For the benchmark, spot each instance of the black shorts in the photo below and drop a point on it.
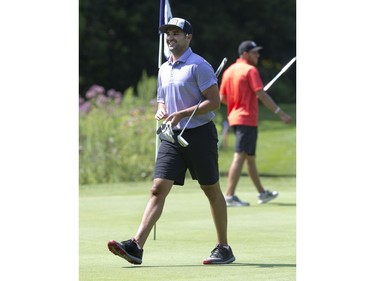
(200, 156)
(246, 139)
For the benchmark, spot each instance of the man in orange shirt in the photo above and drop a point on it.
(240, 89)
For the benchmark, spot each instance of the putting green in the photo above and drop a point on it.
(263, 237)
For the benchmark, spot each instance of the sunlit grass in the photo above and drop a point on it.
(263, 237)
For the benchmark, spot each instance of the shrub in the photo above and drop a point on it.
(117, 134)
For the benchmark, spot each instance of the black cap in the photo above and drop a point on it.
(182, 24)
(248, 46)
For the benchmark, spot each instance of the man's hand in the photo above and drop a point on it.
(174, 118)
(285, 117)
(161, 114)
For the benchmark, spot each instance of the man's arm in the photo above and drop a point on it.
(223, 99)
(210, 103)
(271, 105)
(161, 112)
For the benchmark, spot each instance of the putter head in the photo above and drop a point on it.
(182, 141)
(166, 130)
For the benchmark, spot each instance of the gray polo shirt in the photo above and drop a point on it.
(180, 85)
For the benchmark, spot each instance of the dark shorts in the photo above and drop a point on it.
(200, 156)
(246, 139)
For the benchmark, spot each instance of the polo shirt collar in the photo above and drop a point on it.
(183, 58)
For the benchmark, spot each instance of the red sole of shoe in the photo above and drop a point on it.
(115, 249)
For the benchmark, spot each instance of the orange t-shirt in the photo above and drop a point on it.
(239, 84)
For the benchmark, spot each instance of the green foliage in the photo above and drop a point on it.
(117, 142)
(146, 87)
(119, 39)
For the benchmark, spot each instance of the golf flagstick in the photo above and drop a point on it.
(156, 155)
(285, 68)
(165, 14)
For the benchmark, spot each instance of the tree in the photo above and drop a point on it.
(119, 39)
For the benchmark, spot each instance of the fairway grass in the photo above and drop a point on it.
(263, 237)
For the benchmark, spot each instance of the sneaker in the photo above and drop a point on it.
(220, 255)
(267, 196)
(234, 201)
(127, 250)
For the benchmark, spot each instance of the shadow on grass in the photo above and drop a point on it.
(264, 175)
(267, 265)
(283, 204)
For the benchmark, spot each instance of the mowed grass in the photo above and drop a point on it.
(263, 237)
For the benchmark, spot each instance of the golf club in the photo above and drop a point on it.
(180, 139)
(166, 129)
(279, 74)
(221, 66)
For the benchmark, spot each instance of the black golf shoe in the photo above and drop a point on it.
(127, 250)
(220, 255)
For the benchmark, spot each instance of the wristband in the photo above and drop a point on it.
(277, 110)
